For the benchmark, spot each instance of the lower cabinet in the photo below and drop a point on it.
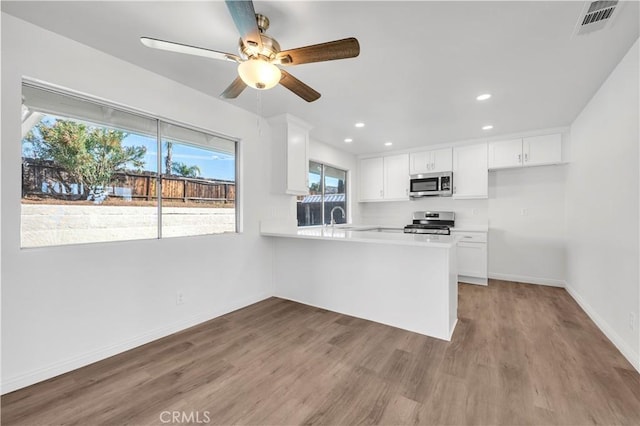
(472, 257)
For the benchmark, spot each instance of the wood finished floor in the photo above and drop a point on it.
(521, 354)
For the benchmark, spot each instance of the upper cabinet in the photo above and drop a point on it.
(470, 172)
(503, 154)
(439, 160)
(540, 150)
(396, 177)
(371, 179)
(529, 151)
(290, 138)
(384, 178)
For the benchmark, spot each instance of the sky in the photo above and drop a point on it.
(212, 164)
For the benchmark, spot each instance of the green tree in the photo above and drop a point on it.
(182, 169)
(89, 154)
(315, 188)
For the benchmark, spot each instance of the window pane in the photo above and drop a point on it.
(327, 189)
(198, 183)
(309, 207)
(335, 195)
(85, 179)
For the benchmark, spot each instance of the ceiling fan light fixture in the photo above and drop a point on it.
(259, 74)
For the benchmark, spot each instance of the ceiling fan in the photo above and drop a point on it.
(259, 54)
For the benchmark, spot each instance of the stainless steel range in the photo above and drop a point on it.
(431, 223)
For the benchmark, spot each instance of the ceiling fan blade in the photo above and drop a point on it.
(298, 87)
(329, 51)
(244, 16)
(234, 89)
(170, 46)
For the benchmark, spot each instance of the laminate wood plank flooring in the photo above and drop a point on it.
(521, 355)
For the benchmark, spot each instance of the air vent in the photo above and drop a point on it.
(596, 16)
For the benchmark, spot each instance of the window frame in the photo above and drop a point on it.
(159, 119)
(347, 204)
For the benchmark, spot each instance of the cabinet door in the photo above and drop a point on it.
(472, 259)
(396, 177)
(540, 150)
(297, 160)
(470, 173)
(503, 154)
(442, 160)
(419, 162)
(371, 179)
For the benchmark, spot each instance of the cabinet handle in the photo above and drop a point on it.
(519, 158)
(526, 157)
(381, 193)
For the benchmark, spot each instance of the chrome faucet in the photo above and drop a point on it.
(333, 222)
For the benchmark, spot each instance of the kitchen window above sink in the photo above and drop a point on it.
(327, 193)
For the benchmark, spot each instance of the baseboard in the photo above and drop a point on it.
(26, 379)
(528, 280)
(627, 351)
(472, 280)
(453, 329)
(366, 318)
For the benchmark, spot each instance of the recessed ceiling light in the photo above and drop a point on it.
(359, 124)
(487, 127)
(388, 143)
(348, 140)
(484, 97)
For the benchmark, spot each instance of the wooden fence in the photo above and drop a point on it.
(43, 178)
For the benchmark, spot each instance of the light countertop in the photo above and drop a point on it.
(364, 234)
(470, 228)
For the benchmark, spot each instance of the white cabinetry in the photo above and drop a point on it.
(439, 160)
(384, 178)
(472, 257)
(470, 172)
(290, 138)
(529, 151)
(539, 150)
(371, 178)
(396, 177)
(503, 154)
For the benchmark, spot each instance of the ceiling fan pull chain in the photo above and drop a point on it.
(259, 111)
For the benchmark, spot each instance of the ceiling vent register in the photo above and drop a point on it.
(596, 16)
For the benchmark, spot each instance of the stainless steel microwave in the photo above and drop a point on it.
(431, 184)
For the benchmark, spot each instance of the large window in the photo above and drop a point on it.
(327, 196)
(93, 173)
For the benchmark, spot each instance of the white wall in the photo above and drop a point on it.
(332, 156)
(602, 189)
(67, 306)
(527, 228)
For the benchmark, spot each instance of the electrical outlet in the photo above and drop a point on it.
(179, 298)
(632, 321)
(524, 212)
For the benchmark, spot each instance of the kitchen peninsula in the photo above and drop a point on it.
(403, 280)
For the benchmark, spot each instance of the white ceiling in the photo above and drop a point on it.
(421, 64)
